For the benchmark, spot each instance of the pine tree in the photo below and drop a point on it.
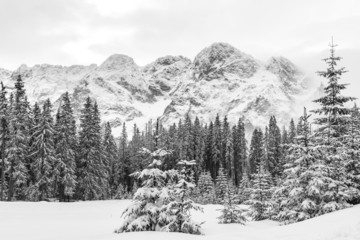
(111, 157)
(18, 144)
(34, 119)
(91, 175)
(301, 194)
(177, 212)
(231, 213)
(256, 153)
(274, 148)
(4, 137)
(244, 189)
(205, 189)
(221, 184)
(44, 155)
(352, 165)
(330, 135)
(208, 155)
(124, 165)
(229, 156)
(145, 211)
(216, 147)
(226, 159)
(66, 143)
(292, 131)
(198, 147)
(260, 203)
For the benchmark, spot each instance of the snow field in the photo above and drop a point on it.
(97, 220)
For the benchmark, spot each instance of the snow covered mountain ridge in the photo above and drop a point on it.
(221, 80)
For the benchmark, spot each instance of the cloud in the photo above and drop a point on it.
(88, 31)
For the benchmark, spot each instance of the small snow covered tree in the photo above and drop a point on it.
(221, 185)
(260, 204)
(244, 188)
(176, 213)
(144, 212)
(231, 213)
(205, 192)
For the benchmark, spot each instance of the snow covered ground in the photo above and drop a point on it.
(97, 220)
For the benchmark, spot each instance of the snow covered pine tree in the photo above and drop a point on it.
(231, 213)
(177, 214)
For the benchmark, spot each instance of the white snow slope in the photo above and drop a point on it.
(97, 220)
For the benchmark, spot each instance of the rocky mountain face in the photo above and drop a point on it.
(221, 80)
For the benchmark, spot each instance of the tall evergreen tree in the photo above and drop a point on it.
(43, 153)
(292, 131)
(330, 136)
(18, 145)
(216, 147)
(4, 137)
(256, 153)
(111, 159)
(66, 143)
(91, 171)
(125, 168)
(274, 148)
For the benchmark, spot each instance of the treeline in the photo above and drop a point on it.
(45, 157)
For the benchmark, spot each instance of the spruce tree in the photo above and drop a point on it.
(125, 167)
(144, 214)
(221, 183)
(216, 147)
(292, 131)
(301, 194)
(256, 153)
(209, 163)
(43, 153)
(352, 164)
(111, 159)
(274, 148)
(231, 213)
(177, 212)
(244, 189)
(330, 134)
(91, 170)
(18, 144)
(205, 189)
(198, 147)
(66, 143)
(260, 203)
(4, 137)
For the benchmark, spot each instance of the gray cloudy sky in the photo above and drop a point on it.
(88, 31)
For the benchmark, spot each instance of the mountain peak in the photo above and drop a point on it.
(282, 67)
(218, 58)
(117, 62)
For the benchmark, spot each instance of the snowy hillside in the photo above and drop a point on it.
(96, 220)
(221, 79)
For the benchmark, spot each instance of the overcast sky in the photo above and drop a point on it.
(88, 31)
